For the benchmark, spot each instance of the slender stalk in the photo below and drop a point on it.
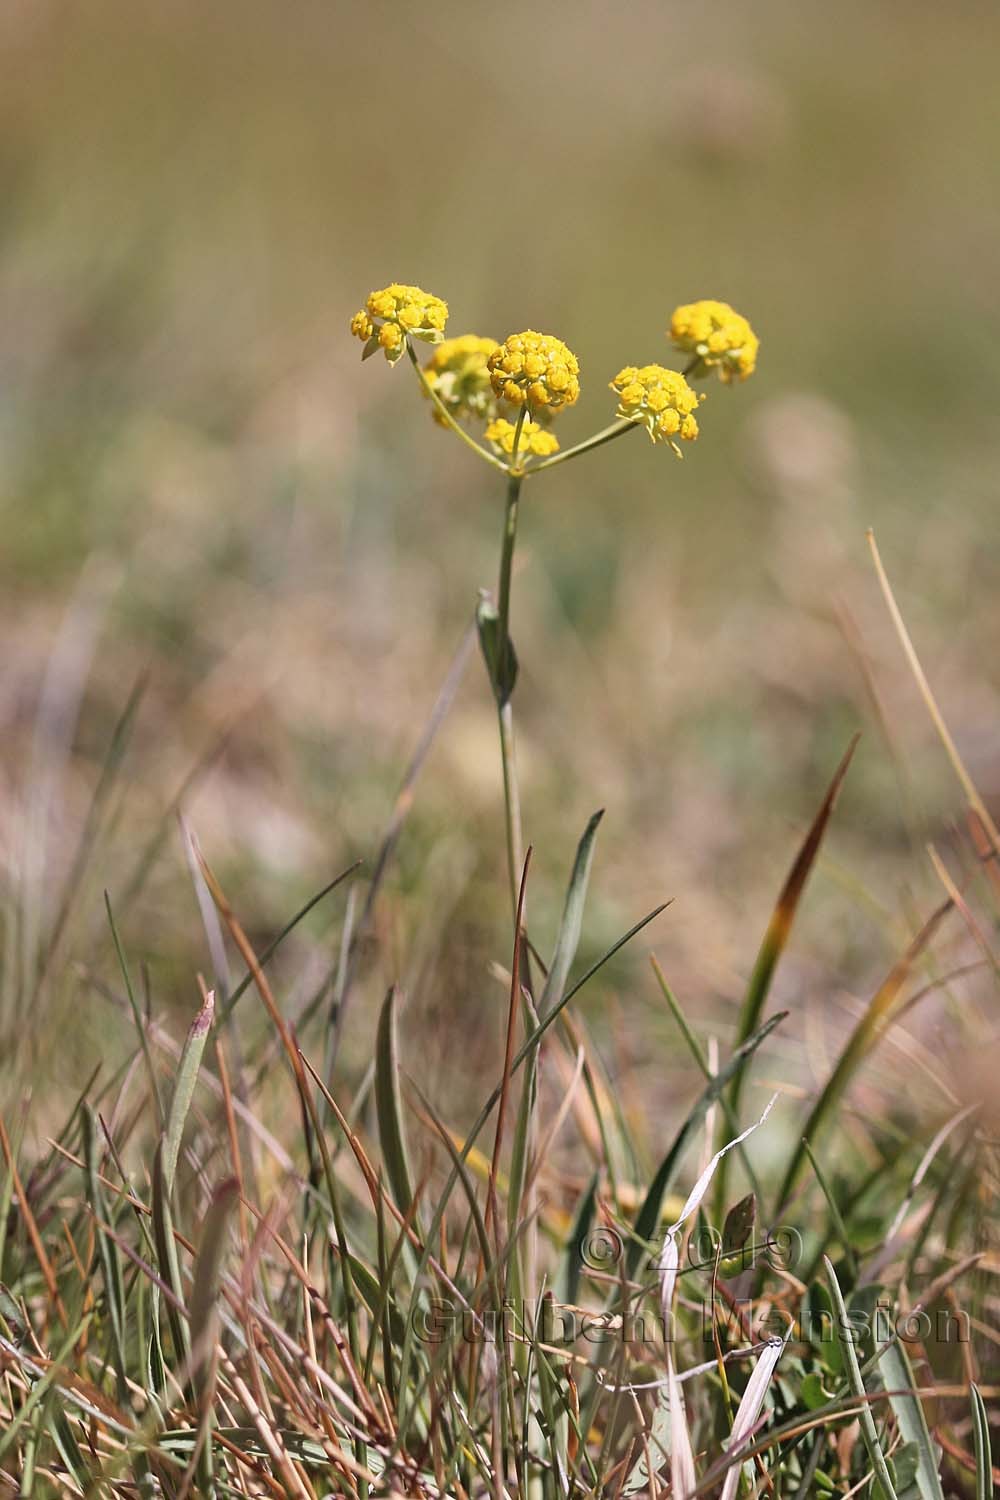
(514, 483)
(505, 714)
(511, 799)
(447, 417)
(606, 435)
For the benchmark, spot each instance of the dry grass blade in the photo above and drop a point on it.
(205, 1322)
(975, 801)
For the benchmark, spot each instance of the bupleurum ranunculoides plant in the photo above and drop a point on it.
(511, 392)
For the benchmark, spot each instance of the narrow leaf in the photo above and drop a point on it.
(853, 1370)
(981, 1438)
(572, 918)
(187, 1075)
(894, 1365)
(388, 1105)
(648, 1217)
(779, 930)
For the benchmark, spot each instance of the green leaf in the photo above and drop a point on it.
(813, 1393)
(568, 1284)
(502, 674)
(894, 1366)
(572, 919)
(388, 1105)
(109, 1257)
(981, 1438)
(853, 1370)
(555, 985)
(648, 1217)
(166, 1255)
(187, 1076)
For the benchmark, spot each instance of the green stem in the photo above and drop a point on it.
(617, 429)
(512, 801)
(511, 796)
(514, 482)
(447, 417)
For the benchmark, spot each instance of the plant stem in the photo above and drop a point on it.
(606, 435)
(446, 415)
(511, 798)
(505, 714)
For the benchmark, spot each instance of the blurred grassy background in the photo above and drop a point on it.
(199, 481)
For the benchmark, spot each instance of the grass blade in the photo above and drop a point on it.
(388, 1104)
(981, 1439)
(777, 934)
(853, 1369)
(136, 1013)
(187, 1076)
(572, 918)
(894, 1366)
(648, 1217)
(110, 1260)
(205, 1319)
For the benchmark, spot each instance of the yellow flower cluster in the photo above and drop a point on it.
(661, 400)
(717, 337)
(396, 312)
(535, 369)
(457, 374)
(534, 440)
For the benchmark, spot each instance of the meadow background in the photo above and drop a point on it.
(202, 490)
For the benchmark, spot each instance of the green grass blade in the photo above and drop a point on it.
(389, 1105)
(983, 1447)
(568, 1285)
(648, 1217)
(853, 1369)
(109, 1257)
(836, 1216)
(140, 1025)
(572, 918)
(166, 1254)
(187, 1076)
(698, 1053)
(894, 1366)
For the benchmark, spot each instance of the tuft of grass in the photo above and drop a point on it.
(373, 1325)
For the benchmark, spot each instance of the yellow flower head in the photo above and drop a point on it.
(394, 313)
(534, 442)
(661, 400)
(457, 374)
(717, 337)
(535, 369)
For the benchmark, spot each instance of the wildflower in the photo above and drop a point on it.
(534, 440)
(717, 338)
(661, 400)
(457, 374)
(536, 370)
(395, 313)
